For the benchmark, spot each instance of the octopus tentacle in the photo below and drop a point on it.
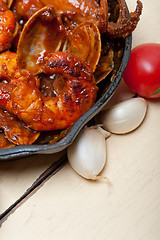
(123, 14)
(123, 29)
(103, 22)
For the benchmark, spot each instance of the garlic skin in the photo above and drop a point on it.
(125, 116)
(87, 154)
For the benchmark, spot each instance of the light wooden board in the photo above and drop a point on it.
(18, 175)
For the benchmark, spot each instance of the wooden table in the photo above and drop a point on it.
(66, 206)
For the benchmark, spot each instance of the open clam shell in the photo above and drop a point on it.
(41, 34)
(15, 130)
(9, 3)
(85, 42)
(105, 66)
(4, 142)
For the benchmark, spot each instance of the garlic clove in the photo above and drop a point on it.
(105, 133)
(87, 154)
(125, 116)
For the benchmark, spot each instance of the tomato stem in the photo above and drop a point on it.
(158, 91)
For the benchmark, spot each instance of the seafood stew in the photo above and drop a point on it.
(58, 68)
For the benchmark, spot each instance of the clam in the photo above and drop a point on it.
(85, 42)
(9, 3)
(105, 66)
(43, 33)
(4, 142)
(106, 61)
(15, 130)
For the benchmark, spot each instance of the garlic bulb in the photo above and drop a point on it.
(87, 154)
(125, 116)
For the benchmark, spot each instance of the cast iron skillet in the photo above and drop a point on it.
(106, 90)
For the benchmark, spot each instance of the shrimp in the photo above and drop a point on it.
(75, 96)
(14, 129)
(9, 71)
(7, 25)
(24, 9)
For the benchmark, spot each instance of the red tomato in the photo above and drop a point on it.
(142, 73)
